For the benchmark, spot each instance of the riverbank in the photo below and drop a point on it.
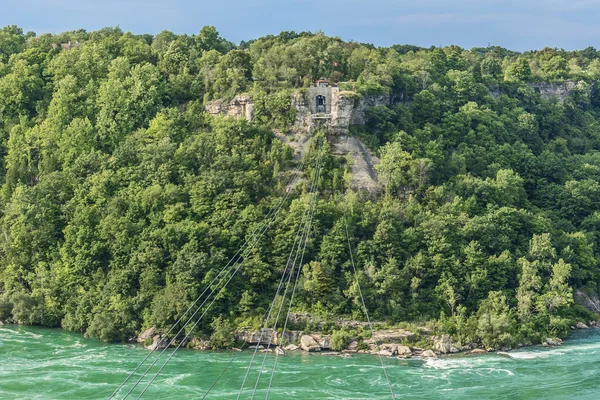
(391, 342)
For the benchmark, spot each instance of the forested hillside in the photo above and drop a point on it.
(121, 199)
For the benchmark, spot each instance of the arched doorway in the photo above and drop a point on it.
(321, 104)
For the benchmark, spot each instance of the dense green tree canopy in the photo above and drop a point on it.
(122, 199)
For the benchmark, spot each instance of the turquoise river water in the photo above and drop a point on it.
(37, 363)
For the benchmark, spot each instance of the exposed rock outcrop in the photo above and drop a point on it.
(560, 91)
(404, 351)
(308, 343)
(363, 104)
(287, 337)
(552, 342)
(557, 90)
(324, 342)
(342, 111)
(347, 108)
(591, 302)
(158, 343)
(364, 175)
(390, 336)
(264, 336)
(581, 325)
(443, 344)
(240, 107)
(147, 334)
(428, 354)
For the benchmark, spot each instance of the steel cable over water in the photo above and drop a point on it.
(302, 229)
(239, 264)
(363, 300)
(304, 240)
(307, 232)
(251, 241)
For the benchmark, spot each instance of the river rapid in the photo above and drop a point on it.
(38, 363)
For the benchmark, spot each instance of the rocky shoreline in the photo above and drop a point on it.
(385, 342)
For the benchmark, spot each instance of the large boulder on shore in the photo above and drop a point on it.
(385, 353)
(443, 344)
(308, 343)
(325, 342)
(404, 351)
(478, 351)
(552, 342)
(428, 354)
(581, 325)
(159, 343)
(147, 334)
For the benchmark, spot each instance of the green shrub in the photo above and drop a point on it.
(340, 340)
(362, 346)
(222, 336)
(104, 328)
(6, 307)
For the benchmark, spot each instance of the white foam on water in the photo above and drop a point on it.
(455, 362)
(173, 380)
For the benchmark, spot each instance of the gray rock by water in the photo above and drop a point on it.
(308, 343)
(428, 354)
(147, 334)
(404, 350)
(443, 345)
(291, 347)
(478, 351)
(158, 343)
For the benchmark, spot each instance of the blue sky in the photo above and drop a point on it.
(518, 25)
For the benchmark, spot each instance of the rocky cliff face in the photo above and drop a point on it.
(591, 302)
(346, 109)
(559, 91)
(239, 107)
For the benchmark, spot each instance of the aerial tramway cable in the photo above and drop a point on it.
(307, 233)
(362, 299)
(249, 243)
(303, 242)
(363, 305)
(300, 234)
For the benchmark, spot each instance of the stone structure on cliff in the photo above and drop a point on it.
(320, 96)
(326, 108)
